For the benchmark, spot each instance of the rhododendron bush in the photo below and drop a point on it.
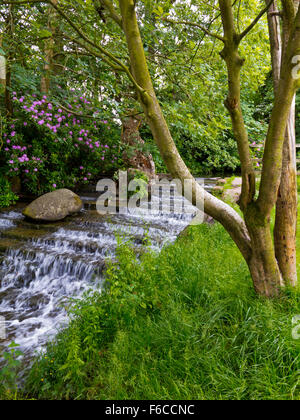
(50, 145)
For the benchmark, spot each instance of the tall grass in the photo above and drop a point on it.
(182, 325)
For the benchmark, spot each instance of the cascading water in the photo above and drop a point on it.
(43, 265)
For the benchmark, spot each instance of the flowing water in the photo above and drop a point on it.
(43, 265)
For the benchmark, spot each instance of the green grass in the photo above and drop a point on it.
(182, 325)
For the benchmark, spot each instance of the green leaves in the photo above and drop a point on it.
(7, 197)
(45, 33)
(8, 374)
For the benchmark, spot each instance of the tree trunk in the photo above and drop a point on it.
(263, 265)
(217, 209)
(253, 237)
(286, 205)
(49, 51)
(2, 69)
(136, 158)
(10, 34)
(286, 209)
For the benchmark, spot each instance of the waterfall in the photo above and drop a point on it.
(43, 265)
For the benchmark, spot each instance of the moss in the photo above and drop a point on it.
(24, 234)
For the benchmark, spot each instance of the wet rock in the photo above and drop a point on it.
(21, 234)
(54, 206)
(34, 302)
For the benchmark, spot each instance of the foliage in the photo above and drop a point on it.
(189, 77)
(7, 197)
(165, 328)
(53, 146)
(140, 184)
(8, 373)
(192, 81)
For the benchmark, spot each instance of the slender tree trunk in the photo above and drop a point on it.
(49, 51)
(2, 69)
(286, 205)
(286, 208)
(10, 34)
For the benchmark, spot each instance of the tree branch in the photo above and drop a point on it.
(111, 58)
(234, 64)
(93, 53)
(197, 25)
(24, 2)
(258, 17)
(108, 5)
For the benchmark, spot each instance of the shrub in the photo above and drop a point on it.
(7, 197)
(52, 146)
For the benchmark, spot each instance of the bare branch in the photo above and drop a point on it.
(197, 25)
(93, 53)
(24, 2)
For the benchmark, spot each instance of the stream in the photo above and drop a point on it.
(43, 265)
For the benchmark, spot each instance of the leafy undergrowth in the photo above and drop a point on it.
(182, 325)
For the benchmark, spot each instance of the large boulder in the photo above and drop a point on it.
(54, 206)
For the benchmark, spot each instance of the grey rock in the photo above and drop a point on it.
(54, 206)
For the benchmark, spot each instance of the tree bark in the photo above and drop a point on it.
(49, 51)
(135, 158)
(10, 34)
(2, 68)
(287, 202)
(286, 208)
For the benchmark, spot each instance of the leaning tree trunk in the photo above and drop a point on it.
(252, 235)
